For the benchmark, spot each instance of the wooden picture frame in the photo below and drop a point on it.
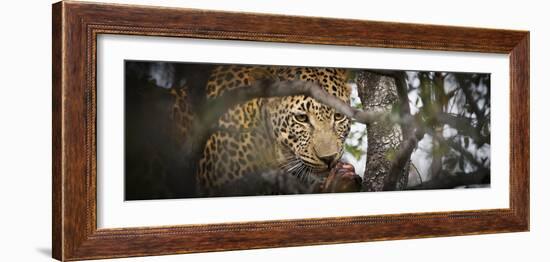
(76, 26)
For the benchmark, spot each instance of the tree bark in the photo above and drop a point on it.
(379, 93)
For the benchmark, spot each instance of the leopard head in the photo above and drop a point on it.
(309, 135)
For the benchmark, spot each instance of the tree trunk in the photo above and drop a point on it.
(438, 106)
(379, 93)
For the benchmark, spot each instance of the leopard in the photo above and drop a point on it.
(296, 134)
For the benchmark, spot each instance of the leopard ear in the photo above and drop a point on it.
(262, 73)
(350, 76)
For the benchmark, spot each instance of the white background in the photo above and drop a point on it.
(25, 136)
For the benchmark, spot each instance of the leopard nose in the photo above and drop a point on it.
(329, 159)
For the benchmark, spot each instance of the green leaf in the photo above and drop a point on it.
(355, 151)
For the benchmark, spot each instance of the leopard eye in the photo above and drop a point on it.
(301, 118)
(339, 116)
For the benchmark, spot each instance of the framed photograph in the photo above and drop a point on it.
(180, 130)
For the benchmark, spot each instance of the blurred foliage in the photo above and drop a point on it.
(154, 163)
(455, 108)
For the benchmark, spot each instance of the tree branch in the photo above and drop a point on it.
(448, 181)
(464, 153)
(402, 157)
(464, 125)
(471, 101)
(216, 107)
(269, 88)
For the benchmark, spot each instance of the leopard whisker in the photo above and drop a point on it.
(308, 176)
(299, 174)
(303, 171)
(286, 165)
(288, 162)
(294, 167)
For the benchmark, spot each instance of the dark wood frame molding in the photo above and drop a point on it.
(76, 26)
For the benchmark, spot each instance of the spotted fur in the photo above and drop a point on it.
(181, 113)
(295, 133)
